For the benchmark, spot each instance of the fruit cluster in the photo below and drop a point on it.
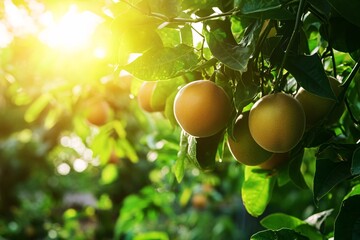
(263, 136)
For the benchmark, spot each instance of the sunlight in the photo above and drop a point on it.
(72, 31)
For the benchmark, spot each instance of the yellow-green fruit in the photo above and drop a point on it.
(202, 108)
(98, 112)
(316, 108)
(145, 96)
(243, 147)
(277, 122)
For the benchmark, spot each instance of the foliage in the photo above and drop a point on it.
(134, 176)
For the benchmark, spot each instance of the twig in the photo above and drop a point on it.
(291, 41)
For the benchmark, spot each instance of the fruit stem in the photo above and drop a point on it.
(279, 77)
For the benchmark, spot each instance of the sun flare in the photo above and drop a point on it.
(72, 31)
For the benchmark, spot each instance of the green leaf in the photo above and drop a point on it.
(264, 9)
(278, 221)
(206, 149)
(109, 174)
(169, 8)
(333, 165)
(164, 63)
(349, 9)
(347, 223)
(33, 112)
(341, 34)
(186, 35)
(246, 89)
(256, 190)
(295, 173)
(152, 235)
(282, 234)
(355, 166)
(224, 47)
(309, 73)
(179, 167)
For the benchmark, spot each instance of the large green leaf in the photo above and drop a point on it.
(347, 223)
(257, 190)
(223, 46)
(164, 63)
(264, 9)
(333, 165)
(342, 34)
(278, 221)
(349, 9)
(282, 234)
(309, 73)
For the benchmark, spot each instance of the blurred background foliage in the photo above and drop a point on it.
(64, 177)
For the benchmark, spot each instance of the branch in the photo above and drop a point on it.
(291, 41)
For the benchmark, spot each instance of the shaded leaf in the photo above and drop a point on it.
(350, 13)
(295, 174)
(355, 166)
(347, 223)
(333, 165)
(309, 73)
(164, 63)
(224, 47)
(202, 151)
(342, 35)
(265, 9)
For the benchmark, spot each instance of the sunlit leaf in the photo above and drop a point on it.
(282, 234)
(279, 221)
(164, 63)
(37, 107)
(152, 235)
(257, 190)
(109, 174)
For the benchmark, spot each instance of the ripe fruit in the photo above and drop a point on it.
(98, 112)
(243, 147)
(277, 122)
(275, 161)
(202, 108)
(199, 201)
(145, 98)
(316, 108)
